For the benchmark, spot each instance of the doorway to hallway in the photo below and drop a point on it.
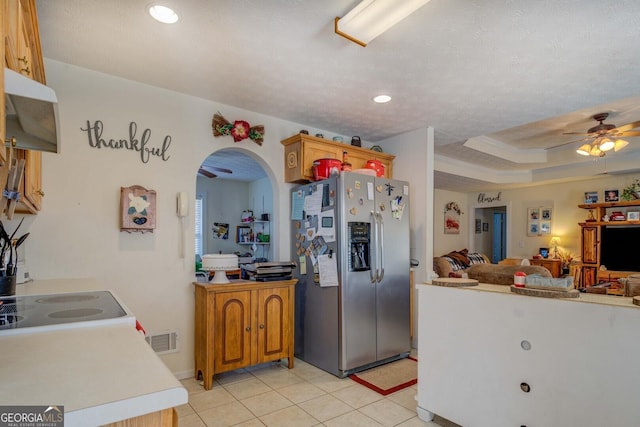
(491, 240)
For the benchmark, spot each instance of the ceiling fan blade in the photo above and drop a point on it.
(577, 133)
(629, 133)
(206, 173)
(223, 170)
(567, 143)
(627, 127)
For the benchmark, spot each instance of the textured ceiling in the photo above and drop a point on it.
(511, 76)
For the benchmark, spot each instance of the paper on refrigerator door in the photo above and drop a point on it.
(328, 270)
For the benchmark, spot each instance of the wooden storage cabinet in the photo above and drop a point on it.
(301, 150)
(553, 265)
(242, 324)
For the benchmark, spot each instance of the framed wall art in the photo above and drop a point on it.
(452, 218)
(137, 209)
(539, 220)
(478, 226)
(220, 230)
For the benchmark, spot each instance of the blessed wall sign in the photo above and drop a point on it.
(132, 142)
(483, 198)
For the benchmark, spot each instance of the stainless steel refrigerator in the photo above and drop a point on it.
(360, 224)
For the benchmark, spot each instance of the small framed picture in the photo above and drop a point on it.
(633, 216)
(611, 196)
(485, 226)
(545, 214)
(478, 226)
(533, 229)
(591, 197)
(545, 227)
(533, 213)
(544, 252)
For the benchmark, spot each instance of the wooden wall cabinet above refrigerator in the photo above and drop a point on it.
(301, 150)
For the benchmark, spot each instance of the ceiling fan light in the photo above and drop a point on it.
(620, 144)
(584, 150)
(606, 144)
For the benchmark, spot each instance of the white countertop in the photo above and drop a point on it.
(101, 374)
(584, 297)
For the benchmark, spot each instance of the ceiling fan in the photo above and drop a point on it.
(604, 137)
(208, 171)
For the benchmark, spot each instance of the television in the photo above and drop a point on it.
(617, 248)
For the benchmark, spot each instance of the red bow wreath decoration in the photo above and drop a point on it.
(239, 130)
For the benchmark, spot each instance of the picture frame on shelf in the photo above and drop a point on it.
(633, 216)
(241, 231)
(544, 252)
(611, 196)
(591, 197)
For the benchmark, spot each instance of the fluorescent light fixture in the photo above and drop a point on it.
(381, 99)
(163, 14)
(370, 18)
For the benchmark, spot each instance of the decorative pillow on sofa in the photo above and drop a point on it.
(476, 258)
(460, 260)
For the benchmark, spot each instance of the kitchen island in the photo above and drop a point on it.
(490, 357)
(100, 374)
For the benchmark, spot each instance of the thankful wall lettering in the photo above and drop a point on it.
(94, 133)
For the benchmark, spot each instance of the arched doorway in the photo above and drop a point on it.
(232, 182)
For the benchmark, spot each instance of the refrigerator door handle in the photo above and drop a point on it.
(372, 271)
(381, 246)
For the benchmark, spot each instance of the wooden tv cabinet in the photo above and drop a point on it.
(591, 234)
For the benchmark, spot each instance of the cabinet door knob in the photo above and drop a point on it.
(248, 328)
(40, 192)
(261, 326)
(24, 59)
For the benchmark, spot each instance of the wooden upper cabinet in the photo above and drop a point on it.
(300, 151)
(22, 52)
(22, 40)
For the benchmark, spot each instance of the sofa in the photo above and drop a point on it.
(478, 266)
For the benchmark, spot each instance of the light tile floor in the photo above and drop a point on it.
(272, 395)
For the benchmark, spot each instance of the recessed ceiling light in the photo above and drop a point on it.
(381, 99)
(163, 14)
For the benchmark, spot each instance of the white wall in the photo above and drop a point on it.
(77, 233)
(225, 201)
(563, 198)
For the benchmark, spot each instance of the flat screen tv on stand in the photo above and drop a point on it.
(616, 248)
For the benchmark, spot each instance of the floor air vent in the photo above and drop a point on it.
(165, 342)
